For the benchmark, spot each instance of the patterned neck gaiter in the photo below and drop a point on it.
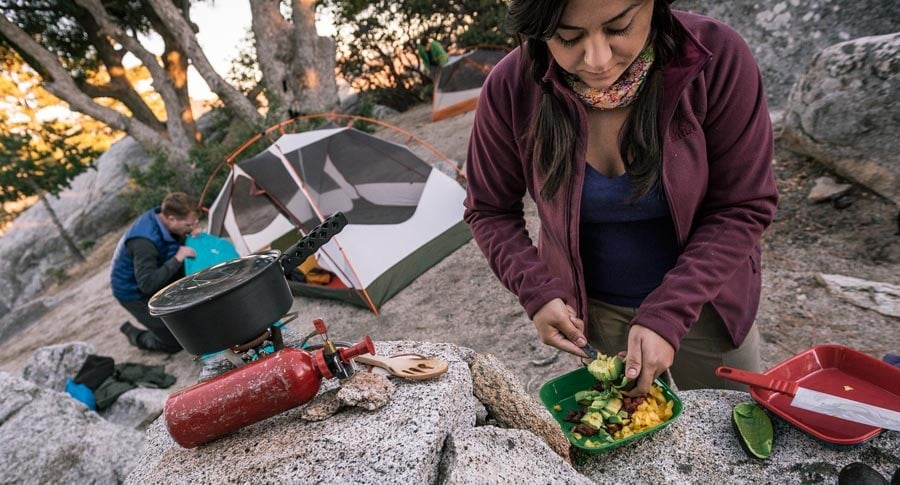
(622, 92)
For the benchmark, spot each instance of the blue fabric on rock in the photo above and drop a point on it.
(81, 393)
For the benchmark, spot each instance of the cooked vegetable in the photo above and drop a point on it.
(649, 413)
(593, 419)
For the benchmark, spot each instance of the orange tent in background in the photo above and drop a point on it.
(459, 81)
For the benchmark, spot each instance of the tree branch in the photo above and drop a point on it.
(182, 32)
(161, 82)
(59, 83)
(119, 87)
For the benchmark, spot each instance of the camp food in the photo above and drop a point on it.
(754, 429)
(611, 370)
(596, 417)
(607, 415)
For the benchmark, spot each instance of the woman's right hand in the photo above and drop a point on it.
(558, 326)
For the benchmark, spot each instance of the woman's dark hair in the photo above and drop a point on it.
(553, 129)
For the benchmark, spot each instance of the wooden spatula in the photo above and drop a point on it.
(406, 367)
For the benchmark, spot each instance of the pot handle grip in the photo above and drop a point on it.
(311, 243)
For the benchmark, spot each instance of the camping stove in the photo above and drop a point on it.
(274, 379)
(278, 336)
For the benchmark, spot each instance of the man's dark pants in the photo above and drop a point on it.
(158, 337)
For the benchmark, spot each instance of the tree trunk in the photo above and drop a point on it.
(53, 217)
(314, 62)
(119, 87)
(274, 40)
(176, 66)
(180, 132)
(298, 66)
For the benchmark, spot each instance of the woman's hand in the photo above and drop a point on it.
(558, 326)
(649, 355)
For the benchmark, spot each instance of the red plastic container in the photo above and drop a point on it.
(836, 370)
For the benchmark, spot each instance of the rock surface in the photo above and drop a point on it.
(137, 408)
(843, 112)
(785, 34)
(491, 455)
(827, 189)
(49, 367)
(89, 210)
(48, 437)
(399, 443)
(428, 434)
(508, 403)
(884, 298)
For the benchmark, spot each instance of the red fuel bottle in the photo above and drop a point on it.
(256, 391)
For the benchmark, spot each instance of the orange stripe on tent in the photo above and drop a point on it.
(453, 110)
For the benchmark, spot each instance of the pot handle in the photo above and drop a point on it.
(311, 243)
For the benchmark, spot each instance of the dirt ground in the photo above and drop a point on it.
(460, 301)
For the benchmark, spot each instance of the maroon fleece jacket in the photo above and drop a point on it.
(716, 174)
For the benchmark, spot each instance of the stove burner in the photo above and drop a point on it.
(270, 341)
(253, 343)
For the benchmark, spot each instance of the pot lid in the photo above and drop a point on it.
(212, 282)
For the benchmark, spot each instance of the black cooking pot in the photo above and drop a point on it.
(235, 302)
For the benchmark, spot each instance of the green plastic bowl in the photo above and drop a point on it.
(561, 391)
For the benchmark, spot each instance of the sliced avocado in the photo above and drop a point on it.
(594, 420)
(586, 397)
(614, 419)
(614, 405)
(599, 403)
(607, 368)
(597, 368)
(623, 414)
(603, 435)
(754, 429)
(617, 368)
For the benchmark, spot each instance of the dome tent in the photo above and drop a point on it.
(459, 81)
(404, 214)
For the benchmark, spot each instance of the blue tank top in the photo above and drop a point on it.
(626, 249)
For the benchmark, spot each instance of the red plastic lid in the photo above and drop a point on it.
(836, 370)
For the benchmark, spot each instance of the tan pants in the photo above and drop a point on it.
(706, 346)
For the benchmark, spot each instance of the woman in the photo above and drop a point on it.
(644, 139)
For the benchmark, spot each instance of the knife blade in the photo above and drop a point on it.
(819, 402)
(590, 351)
